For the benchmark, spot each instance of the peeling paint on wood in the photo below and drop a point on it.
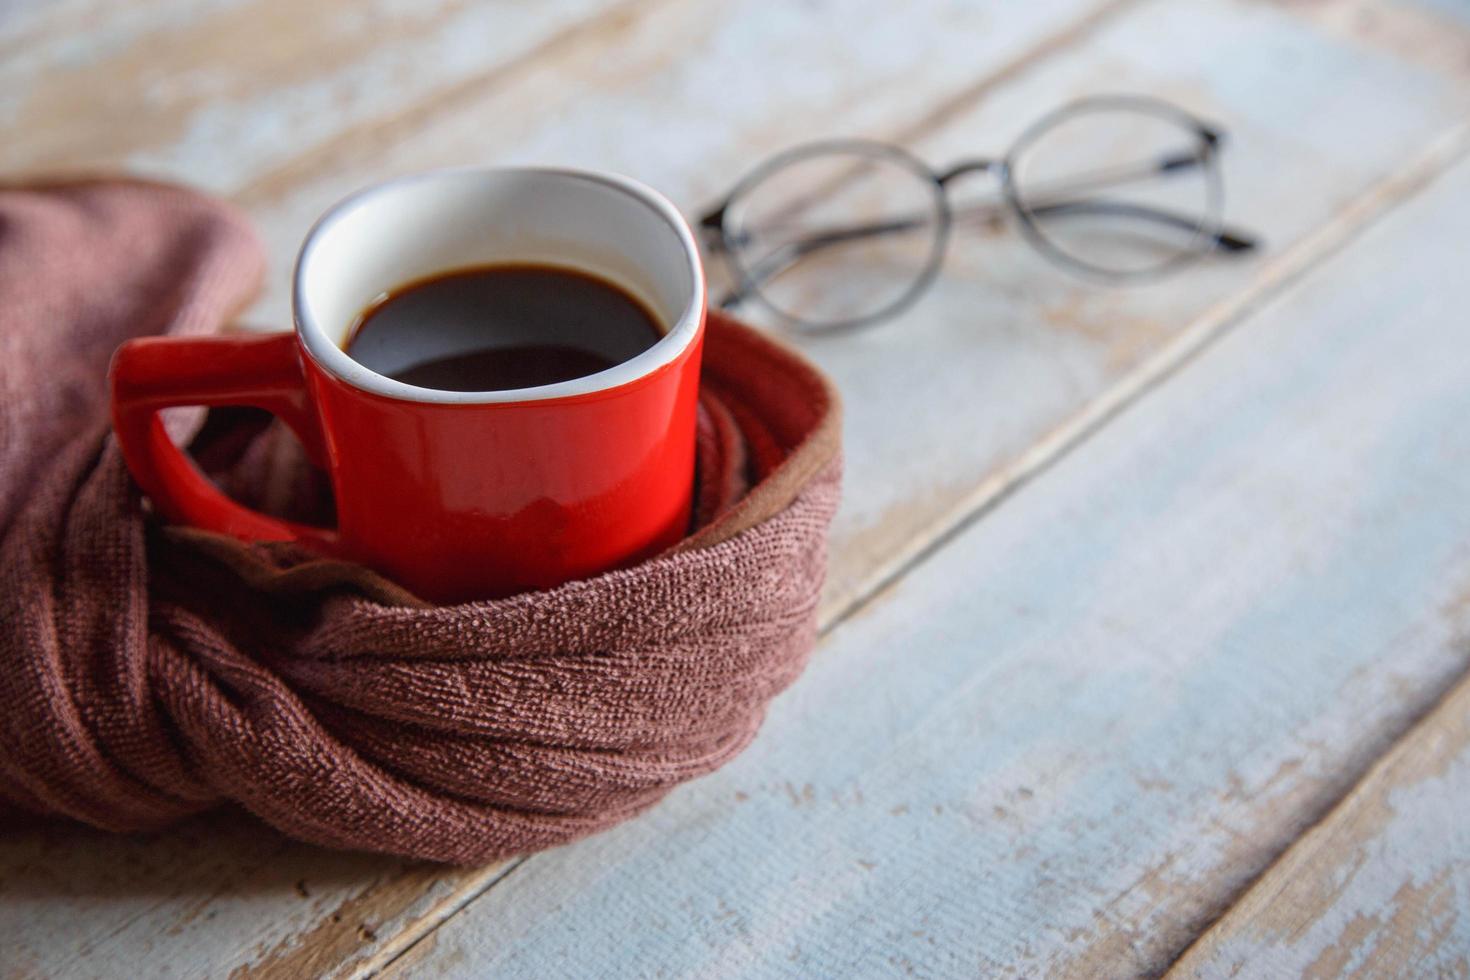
(1051, 362)
(1234, 594)
(213, 92)
(1381, 887)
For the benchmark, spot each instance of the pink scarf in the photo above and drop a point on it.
(153, 672)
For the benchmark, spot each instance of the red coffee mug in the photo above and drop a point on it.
(456, 495)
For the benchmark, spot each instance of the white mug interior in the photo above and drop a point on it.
(428, 224)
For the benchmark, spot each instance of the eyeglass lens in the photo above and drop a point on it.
(1119, 191)
(836, 235)
(850, 232)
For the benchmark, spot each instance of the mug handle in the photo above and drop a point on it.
(149, 374)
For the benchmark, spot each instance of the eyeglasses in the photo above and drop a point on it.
(843, 233)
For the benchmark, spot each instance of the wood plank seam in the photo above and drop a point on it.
(966, 98)
(449, 880)
(619, 18)
(1281, 273)
(1050, 46)
(1275, 877)
(1054, 43)
(1084, 875)
(445, 100)
(478, 884)
(1278, 275)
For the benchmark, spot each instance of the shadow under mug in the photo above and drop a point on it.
(456, 495)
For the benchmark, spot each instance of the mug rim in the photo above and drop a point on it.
(335, 361)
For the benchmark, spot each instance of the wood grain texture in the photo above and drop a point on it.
(214, 92)
(1038, 361)
(1065, 742)
(1049, 359)
(1380, 888)
(944, 405)
(80, 904)
(1033, 356)
(358, 910)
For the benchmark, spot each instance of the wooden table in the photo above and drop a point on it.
(1148, 622)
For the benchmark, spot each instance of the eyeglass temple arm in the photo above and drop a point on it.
(1223, 239)
(1210, 139)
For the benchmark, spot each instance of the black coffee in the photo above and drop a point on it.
(499, 327)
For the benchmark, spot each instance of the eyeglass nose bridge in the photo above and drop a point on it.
(976, 166)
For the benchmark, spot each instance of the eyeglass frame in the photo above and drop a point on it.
(1210, 234)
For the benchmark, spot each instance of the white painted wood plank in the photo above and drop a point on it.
(685, 98)
(79, 26)
(1005, 349)
(628, 96)
(545, 111)
(1317, 119)
(1381, 888)
(67, 896)
(212, 92)
(1065, 742)
(252, 917)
